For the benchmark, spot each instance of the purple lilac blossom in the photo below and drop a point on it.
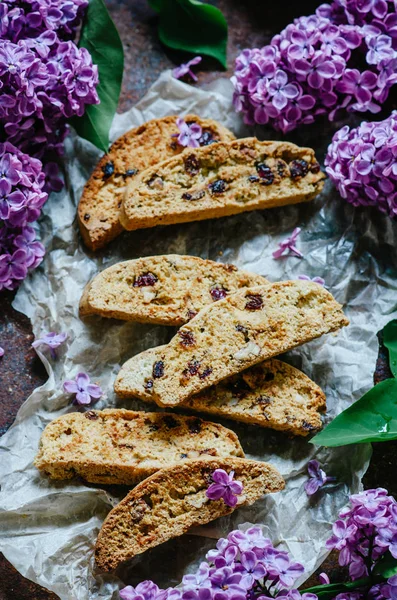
(344, 57)
(224, 487)
(45, 77)
(362, 163)
(364, 532)
(245, 565)
(83, 389)
(29, 18)
(189, 134)
(317, 478)
(1, 352)
(21, 199)
(185, 68)
(288, 246)
(52, 339)
(41, 90)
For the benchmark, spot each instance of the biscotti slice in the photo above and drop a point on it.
(136, 150)
(168, 289)
(271, 394)
(124, 446)
(168, 503)
(244, 329)
(223, 179)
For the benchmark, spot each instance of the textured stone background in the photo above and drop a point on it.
(251, 24)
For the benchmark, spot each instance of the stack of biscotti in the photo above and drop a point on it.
(271, 394)
(222, 179)
(147, 178)
(174, 458)
(138, 149)
(231, 337)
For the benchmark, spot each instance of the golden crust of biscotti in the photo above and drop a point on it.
(117, 446)
(219, 180)
(271, 394)
(239, 331)
(168, 503)
(136, 150)
(167, 289)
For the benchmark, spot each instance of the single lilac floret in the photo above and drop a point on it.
(146, 590)
(83, 389)
(288, 246)
(323, 579)
(185, 68)
(52, 339)
(224, 487)
(189, 135)
(317, 478)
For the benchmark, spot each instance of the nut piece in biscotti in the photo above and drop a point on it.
(168, 289)
(220, 180)
(271, 394)
(168, 503)
(123, 446)
(244, 329)
(136, 150)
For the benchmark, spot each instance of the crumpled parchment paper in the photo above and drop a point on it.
(47, 529)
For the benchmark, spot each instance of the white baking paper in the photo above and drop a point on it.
(47, 529)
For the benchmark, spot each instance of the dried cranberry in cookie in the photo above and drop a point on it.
(145, 279)
(298, 168)
(108, 170)
(254, 302)
(192, 164)
(187, 338)
(265, 173)
(158, 369)
(218, 187)
(218, 293)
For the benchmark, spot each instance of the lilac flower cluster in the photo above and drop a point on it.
(362, 163)
(243, 566)
(362, 535)
(45, 78)
(21, 199)
(342, 57)
(30, 18)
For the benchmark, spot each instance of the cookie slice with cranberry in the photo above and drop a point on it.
(167, 289)
(241, 330)
(135, 151)
(222, 179)
(170, 502)
(271, 394)
(123, 446)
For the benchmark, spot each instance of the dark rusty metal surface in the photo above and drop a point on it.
(251, 23)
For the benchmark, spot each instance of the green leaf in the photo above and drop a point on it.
(390, 341)
(330, 590)
(386, 566)
(100, 36)
(192, 26)
(373, 418)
